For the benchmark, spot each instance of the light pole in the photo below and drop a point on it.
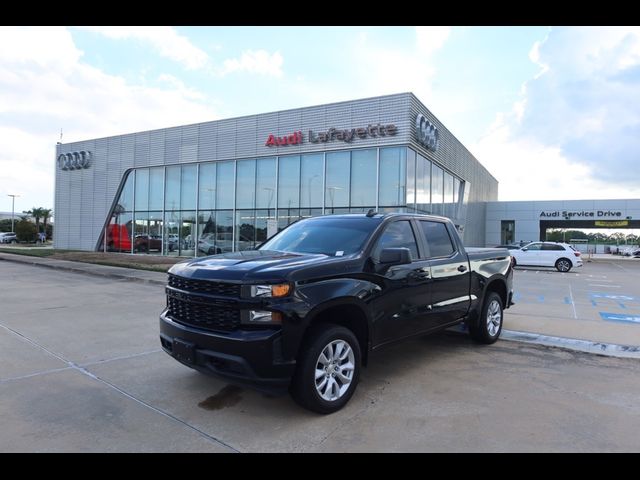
(309, 189)
(13, 202)
(271, 192)
(331, 195)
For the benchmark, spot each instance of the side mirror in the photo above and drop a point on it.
(525, 249)
(395, 256)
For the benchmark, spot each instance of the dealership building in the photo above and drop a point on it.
(527, 221)
(227, 185)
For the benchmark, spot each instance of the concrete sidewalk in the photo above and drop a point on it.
(531, 325)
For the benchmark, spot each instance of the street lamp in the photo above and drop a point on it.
(309, 189)
(271, 191)
(13, 202)
(331, 195)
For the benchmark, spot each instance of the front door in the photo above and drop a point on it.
(406, 288)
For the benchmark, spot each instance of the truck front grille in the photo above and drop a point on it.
(203, 315)
(204, 286)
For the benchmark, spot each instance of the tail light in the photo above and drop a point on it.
(577, 254)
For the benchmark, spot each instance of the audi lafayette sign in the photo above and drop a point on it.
(74, 160)
(427, 133)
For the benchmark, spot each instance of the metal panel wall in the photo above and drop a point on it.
(245, 137)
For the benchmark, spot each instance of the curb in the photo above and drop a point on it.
(587, 346)
(24, 259)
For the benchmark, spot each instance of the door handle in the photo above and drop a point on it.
(462, 268)
(420, 273)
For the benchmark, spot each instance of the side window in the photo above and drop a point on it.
(534, 246)
(397, 235)
(438, 239)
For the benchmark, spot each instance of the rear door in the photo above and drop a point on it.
(550, 253)
(450, 276)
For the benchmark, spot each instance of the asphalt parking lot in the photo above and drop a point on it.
(599, 301)
(81, 370)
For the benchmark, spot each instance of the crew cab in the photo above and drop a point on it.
(304, 311)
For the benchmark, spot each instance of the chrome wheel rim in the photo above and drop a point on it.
(334, 370)
(563, 265)
(494, 318)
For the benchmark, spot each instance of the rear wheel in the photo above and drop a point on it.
(328, 369)
(563, 265)
(488, 327)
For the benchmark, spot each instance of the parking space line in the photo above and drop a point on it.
(607, 286)
(620, 317)
(573, 304)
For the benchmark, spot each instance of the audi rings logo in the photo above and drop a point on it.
(74, 160)
(427, 133)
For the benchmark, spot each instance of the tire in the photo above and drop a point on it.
(488, 327)
(314, 395)
(563, 265)
(211, 251)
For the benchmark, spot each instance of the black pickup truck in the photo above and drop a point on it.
(304, 310)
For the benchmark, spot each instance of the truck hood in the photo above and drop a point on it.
(264, 265)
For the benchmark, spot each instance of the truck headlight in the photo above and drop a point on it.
(279, 290)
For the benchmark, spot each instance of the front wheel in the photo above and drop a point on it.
(328, 369)
(488, 327)
(563, 265)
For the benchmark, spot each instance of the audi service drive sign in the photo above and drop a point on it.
(427, 133)
(74, 160)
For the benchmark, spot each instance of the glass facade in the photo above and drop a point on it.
(232, 205)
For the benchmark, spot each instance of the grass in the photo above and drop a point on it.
(31, 252)
(152, 263)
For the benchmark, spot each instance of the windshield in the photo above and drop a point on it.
(336, 236)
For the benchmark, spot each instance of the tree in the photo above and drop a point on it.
(25, 231)
(37, 213)
(46, 214)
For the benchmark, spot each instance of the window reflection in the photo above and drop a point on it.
(207, 187)
(245, 183)
(266, 183)
(393, 165)
(363, 177)
(188, 187)
(289, 182)
(338, 180)
(142, 189)
(311, 174)
(225, 185)
(437, 191)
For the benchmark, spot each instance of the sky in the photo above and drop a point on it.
(552, 113)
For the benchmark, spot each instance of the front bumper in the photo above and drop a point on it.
(245, 357)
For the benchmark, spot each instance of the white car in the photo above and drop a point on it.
(562, 256)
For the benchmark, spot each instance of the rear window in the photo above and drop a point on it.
(438, 239)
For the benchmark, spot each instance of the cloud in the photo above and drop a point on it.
(45, 86)
(383, 69)
(254, 61)
(575, 132)
(430, 39)
(165, 40)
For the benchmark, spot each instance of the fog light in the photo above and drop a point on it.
(260, 316)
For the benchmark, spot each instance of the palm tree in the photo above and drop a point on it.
(37, 214)
(46, 213)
